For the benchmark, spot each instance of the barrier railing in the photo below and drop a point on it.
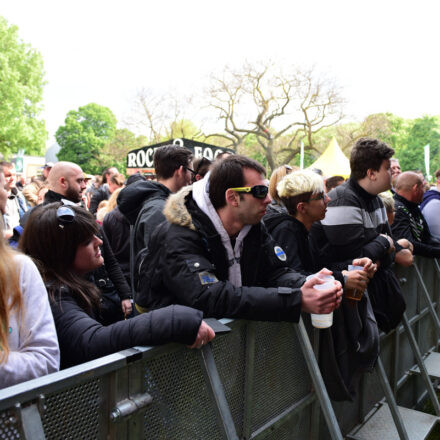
(257, 382)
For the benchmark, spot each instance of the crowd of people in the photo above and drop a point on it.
(91, 266)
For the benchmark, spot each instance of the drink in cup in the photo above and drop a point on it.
(324, 320)
(353, 294)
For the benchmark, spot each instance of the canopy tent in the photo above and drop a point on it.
(333, 162)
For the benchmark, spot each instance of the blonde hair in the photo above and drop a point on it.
(300, 182)
(276, 177)
(11, 299)
(388, 200)
(112, 200)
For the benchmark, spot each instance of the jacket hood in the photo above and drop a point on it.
(176, 211)
(131, 198)
(428, 196)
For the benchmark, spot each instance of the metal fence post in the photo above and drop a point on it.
(318, 382)
(249, 380)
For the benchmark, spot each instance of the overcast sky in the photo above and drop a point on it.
(384, 53)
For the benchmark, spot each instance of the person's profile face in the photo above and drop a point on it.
(3, 194)
(75, 186)
(395, 168)
(383, 177)
(88, 256)
(10, 177)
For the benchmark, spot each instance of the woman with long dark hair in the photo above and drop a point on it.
(28, 341)
(63, 242)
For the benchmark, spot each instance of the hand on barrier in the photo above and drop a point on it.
(204, 335)
(321, 301)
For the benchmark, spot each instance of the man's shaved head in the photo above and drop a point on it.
(67, 179)
(407, 180)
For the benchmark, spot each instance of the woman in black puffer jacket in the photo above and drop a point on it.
(62, 241)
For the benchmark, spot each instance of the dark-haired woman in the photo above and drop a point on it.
(63, 241)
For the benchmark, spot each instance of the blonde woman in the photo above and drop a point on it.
(28, 340)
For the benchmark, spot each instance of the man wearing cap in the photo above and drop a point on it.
(216, 255)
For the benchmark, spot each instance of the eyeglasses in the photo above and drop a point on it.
(321, 196)
(65, 215)
(190, 170)
(258, 191)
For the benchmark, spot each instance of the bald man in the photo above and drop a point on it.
(66, 181)
(409, 222)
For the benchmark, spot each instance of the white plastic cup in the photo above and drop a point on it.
(324, 320)
(321, 277)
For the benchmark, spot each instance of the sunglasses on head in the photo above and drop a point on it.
(258, 191)
(65, 215)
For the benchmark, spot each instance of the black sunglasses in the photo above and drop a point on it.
(258, 191)
(65, 215)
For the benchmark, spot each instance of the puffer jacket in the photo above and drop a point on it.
(83, 338)
(193, 269)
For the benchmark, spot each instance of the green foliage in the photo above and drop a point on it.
(117, 148)
(420, 132)
(21, 92)
(84, 135)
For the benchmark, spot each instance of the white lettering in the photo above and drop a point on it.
(140, 157)
(149, 157)
(178, 142)
(131, 160)
(198, 151)
(207, 153)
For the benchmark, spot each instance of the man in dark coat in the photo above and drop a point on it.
(142, 203)
(409, 222)
(217, 256)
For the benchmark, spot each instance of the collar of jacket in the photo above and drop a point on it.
(359, 190)
(52, 196)
(410, 205)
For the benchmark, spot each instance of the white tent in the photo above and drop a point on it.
(332, 162)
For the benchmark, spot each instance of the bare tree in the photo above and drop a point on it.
(286, 107)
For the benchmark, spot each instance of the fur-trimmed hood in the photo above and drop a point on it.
(176, 211)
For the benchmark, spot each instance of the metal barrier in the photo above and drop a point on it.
(256, 382)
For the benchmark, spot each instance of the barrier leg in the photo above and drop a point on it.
(428, 298)
(215, 386)
(398, 422)
(318, 382)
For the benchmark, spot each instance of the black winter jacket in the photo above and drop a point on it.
(409, 223)
(142, 204)
(117, 229)
(194, 269)
(101, 193)
(293, 236)
(83, 338)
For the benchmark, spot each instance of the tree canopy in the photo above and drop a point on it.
(84, 134)
(21, 92)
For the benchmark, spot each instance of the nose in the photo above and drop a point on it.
(326, 199)
(98, 241)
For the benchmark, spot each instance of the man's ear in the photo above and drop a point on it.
(371, 174)
(63, 181)
(231, 197)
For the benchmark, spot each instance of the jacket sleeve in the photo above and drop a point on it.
(402, 229)
(38, 352)
(82, 338)
(114, 271)
(190, 276)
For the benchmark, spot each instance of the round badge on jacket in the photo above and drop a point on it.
(280, 253)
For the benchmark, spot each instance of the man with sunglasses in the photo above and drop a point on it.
(217, 256)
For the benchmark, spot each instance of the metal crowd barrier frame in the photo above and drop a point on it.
(260, 381)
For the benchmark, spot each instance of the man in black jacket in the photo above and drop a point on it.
(142, 203)
(217, 256)
(409, 222)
